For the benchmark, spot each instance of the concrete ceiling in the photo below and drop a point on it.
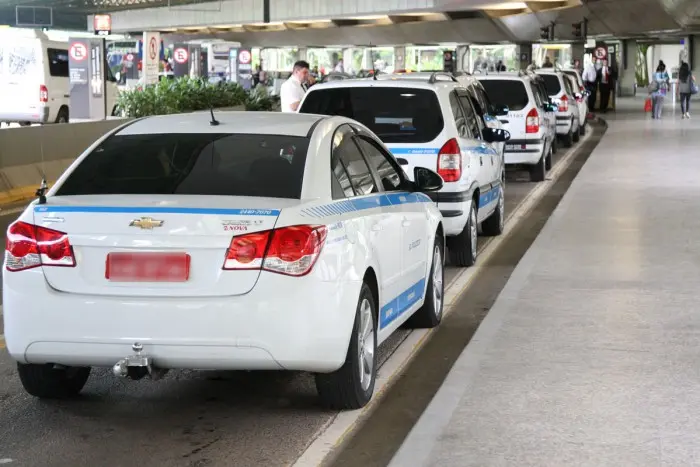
(607, 18)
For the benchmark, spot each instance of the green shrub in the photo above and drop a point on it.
(259, 99)
(181, 95)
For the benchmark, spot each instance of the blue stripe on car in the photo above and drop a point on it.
(413, 151)
(366, 202)
(156, 210)
(399, 305)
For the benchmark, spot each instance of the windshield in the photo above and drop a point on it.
(395, 115)
(192, 164)
(508, 92)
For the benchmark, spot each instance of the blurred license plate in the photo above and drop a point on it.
(512, 146)
(148, 267)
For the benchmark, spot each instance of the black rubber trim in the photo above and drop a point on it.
(450, 197)
(452, 213)
(563, 118)
(315, 124)
(522, 151)
(524, 141)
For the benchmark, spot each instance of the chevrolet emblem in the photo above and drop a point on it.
(145, 223)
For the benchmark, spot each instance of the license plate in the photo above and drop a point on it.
(148, 267)
(511, 146)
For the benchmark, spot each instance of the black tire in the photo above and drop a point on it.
(555, 145)
(462, 248)
(567, 140)
(47, 382)
(342, 389)
(25, 124)
(62, 116)
(548, 161)
(495, 224)
(576, 136)
(582, 130)
(430, 314)
(538, 172)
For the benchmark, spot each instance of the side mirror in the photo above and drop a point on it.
(495, 135)
(501, 110)
(551, 108)
(425, 180)
(402, 161)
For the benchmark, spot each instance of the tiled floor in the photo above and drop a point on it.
(591, 354)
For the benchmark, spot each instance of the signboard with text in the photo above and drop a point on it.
(86, 77)
(245, 68)
(151, 57)
(102, 24)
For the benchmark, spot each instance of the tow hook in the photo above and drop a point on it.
(137, 366)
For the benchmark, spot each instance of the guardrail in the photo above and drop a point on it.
(29, 153)
(26, 152)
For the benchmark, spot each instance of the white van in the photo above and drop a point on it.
(34, 85)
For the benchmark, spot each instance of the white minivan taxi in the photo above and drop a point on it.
(34, 79)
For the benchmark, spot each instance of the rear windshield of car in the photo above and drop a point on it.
(396, 115)
(508, 92)
(574, 75)
(192, 164)
(552, 83)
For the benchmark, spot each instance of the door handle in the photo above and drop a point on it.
(481, 160)
(405, 223)
(376, 227)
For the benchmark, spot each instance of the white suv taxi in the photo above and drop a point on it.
(561, 92)
(530, 120)
(431, 123)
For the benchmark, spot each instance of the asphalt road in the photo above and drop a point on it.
(187, 419)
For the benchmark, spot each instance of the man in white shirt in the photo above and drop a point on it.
(590, 80)
(292, 90)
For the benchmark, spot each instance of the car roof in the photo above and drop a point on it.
(511, 75)
(388, 81)
(266, 123)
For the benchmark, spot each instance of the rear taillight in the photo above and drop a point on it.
(43, 94)
(28, 246)
(449, 164)
(532, 121)
(564, 103)
(291, 251)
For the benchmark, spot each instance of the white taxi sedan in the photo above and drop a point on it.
(255, 241)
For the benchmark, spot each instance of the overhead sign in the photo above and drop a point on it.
(180, 55)
(78, 51)
(151, 63)
(244, 69)
(102, 24)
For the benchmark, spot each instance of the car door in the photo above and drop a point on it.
(547, 121)
(492, 122)
(375, 231)
(406, 206)
(486, 170)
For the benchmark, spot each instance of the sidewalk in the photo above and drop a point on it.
(591, 354)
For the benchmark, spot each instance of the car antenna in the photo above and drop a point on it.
(43, 187)
(214, 121)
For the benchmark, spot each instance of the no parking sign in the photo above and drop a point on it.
(180, 55)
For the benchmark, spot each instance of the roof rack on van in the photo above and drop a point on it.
(335, 76)
(434, 75)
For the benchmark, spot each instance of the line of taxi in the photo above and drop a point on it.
(259, 240)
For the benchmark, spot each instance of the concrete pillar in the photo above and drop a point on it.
(524, 52)
(462, 58)
(578, 50)
(693, 46)
(627, 77)
(399, 58)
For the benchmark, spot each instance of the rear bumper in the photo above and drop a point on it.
(526, 151)
(454, 207)
(306, 328)
(564, 124)
(38, 115)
